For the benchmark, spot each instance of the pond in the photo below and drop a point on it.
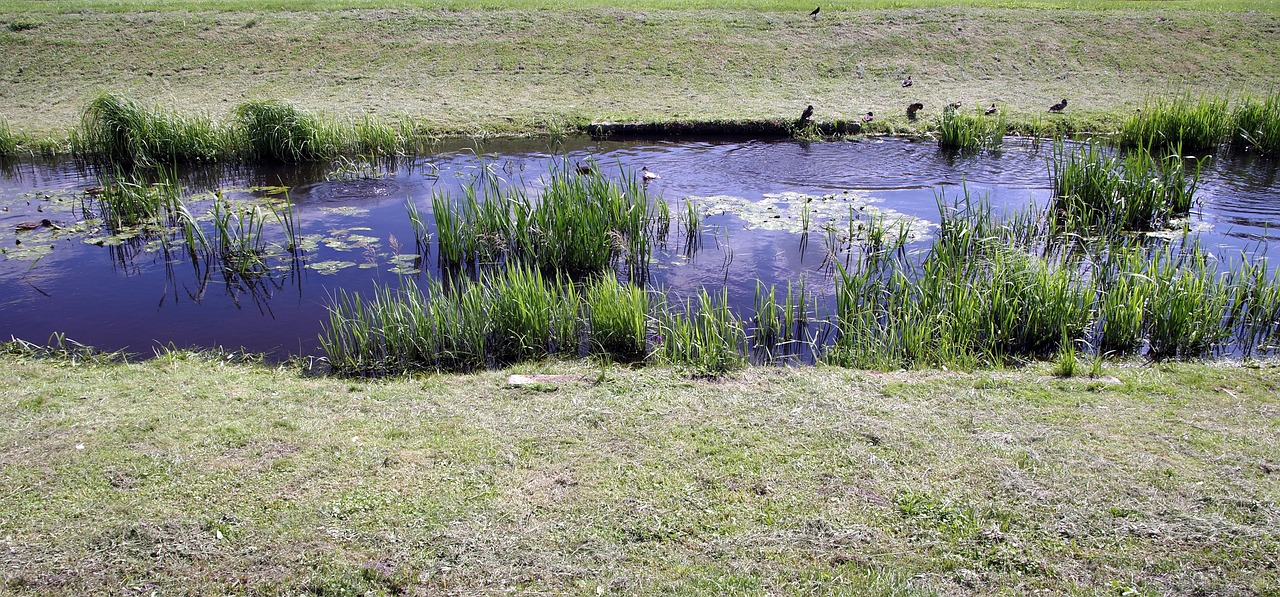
(757, 200)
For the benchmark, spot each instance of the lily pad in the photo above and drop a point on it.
(330, 267)
(28, 251)
(798, 212)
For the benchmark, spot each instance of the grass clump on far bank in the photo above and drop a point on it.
(1192, 124)
(1098, 191)
(969, 130)
(280, 132)
(1257, 124)
(127, 133)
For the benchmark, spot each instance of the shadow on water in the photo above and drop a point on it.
(774, 213)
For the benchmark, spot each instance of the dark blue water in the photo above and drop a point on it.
(136, 297)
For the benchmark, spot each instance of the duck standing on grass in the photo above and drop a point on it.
(912, 109)
(868, 117)
(1059, 107)
(990, 111)
(807, 114)
(907, 82)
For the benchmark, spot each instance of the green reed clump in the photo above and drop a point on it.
(1191, 124)
(1256, 124)
(1187, 313)
(238, 238)
(8, 140)
(530, 317)
(1101, 192)
(124, 132)
(133, 200)
(969, 130)
(277, 131)
(504, 317)
(617, 317)
(579, 224)
(977, 298)
(1253, 306)
(707, 337)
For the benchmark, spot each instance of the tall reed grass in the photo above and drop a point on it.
(617, 317)
(1256, 125)
(1098, 191)
(280, 132)
(8, 140)
(969, 130)
(579, 224)
(1193, 124)
(127, 133)
(124, 132)
(705, 336)
(135, 199)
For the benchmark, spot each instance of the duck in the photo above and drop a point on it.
(990, 111)
(647, 174)
(952, 107)
(907, 82)
(584, 169)
(868, 117)
(912, 109)
(807, 114)
(1060, 106)
(45, 223)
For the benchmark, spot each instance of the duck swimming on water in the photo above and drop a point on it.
(647, 174)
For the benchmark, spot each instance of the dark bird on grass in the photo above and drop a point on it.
(22, 226)
(990, 111)
(1060, 106)
(807, 114)
(815, 11)
(912, 109)
(952, 107)
(868, 117)
(907, 82)
(647, 174)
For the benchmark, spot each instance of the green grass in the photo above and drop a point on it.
(1256, 124)
(514, 70)
(1099, 191)
(1193, 124)
(580, 224)
(128, 133)
(192, 474)
(132, 201)
(969, 130)
(58, 6)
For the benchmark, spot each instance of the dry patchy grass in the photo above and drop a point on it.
(192, 476)
(481, 72)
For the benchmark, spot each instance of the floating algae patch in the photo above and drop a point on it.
(800, 213)
(344, 211)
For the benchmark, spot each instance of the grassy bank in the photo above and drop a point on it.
(185, 475)
(472, 71)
